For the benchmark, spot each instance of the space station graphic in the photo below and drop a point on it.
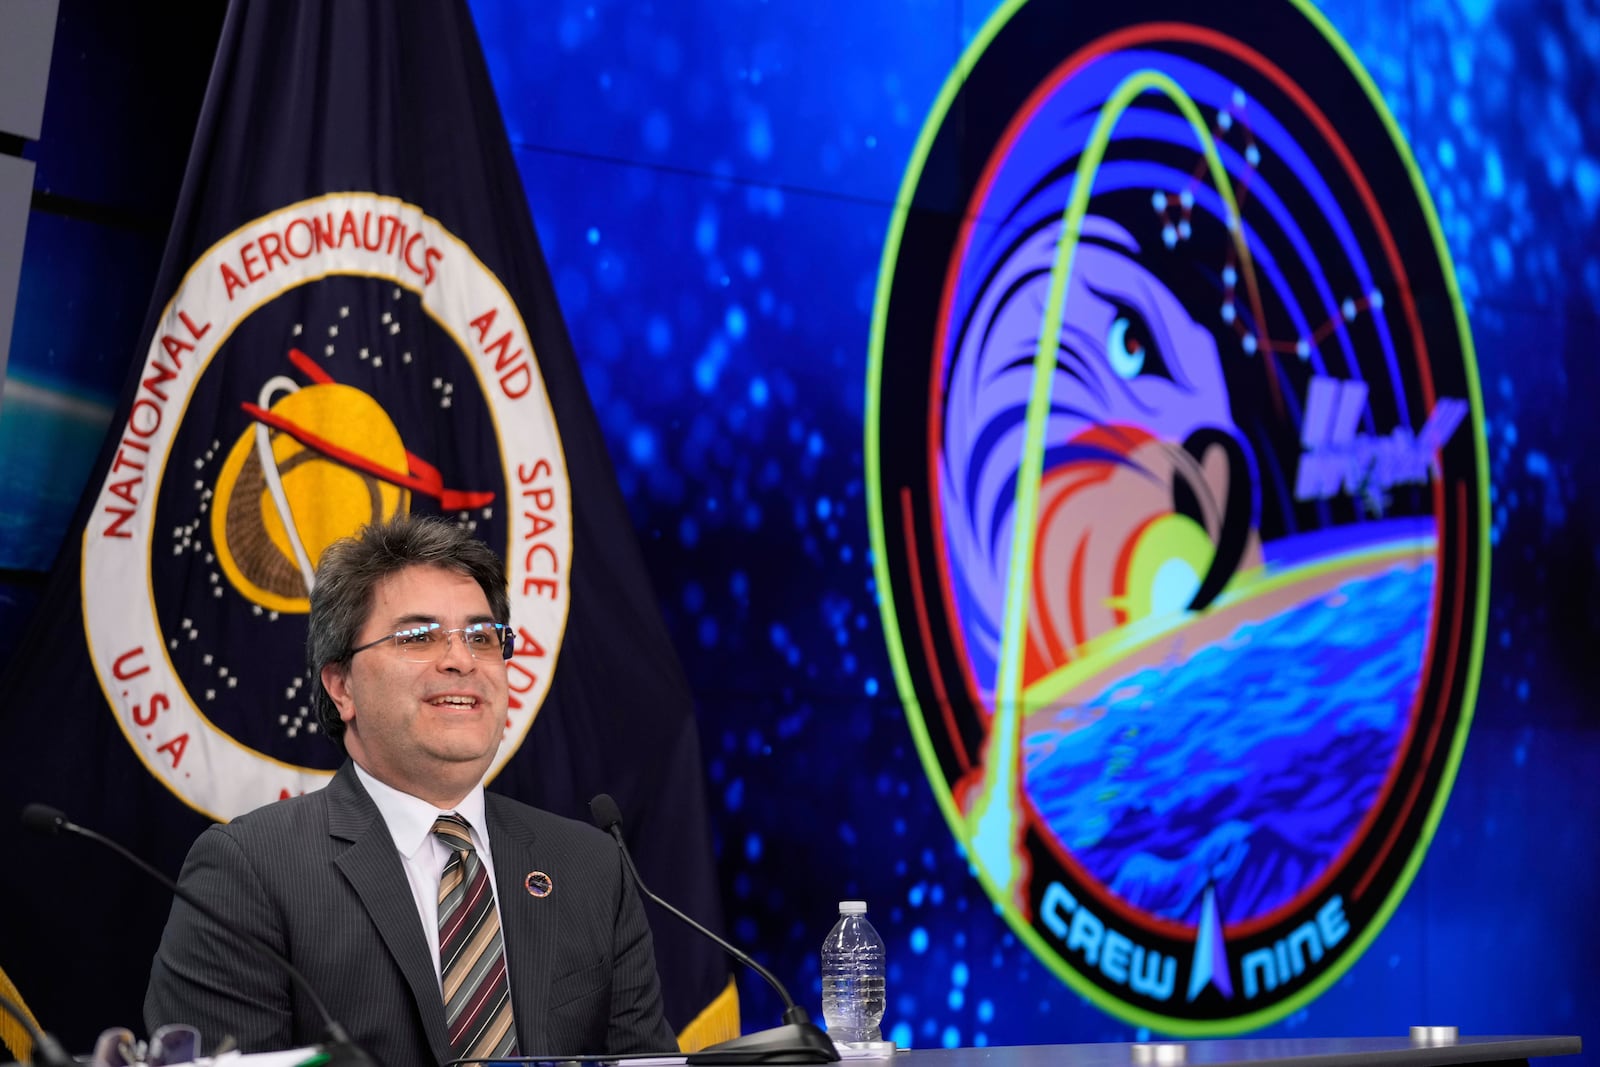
(1178, 494)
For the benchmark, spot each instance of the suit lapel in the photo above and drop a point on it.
(528, 923)
(374, 870)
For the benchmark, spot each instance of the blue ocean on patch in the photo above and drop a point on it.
(1248, 765)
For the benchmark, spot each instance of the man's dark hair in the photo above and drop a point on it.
(351, 569)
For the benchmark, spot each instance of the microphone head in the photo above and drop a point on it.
(48, 820)
(605, 812)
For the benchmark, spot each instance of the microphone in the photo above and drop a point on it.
(47, 1051)
(798, 1040)
(336, 1044)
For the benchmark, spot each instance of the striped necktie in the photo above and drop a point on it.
(472, 959)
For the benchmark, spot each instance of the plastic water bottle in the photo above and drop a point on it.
(852, 976)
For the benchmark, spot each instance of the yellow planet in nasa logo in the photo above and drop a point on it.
(305, 475)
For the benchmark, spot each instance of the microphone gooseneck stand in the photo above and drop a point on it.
(798, 1040)
(336, 1044)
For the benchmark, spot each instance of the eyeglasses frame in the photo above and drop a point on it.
(508, 640)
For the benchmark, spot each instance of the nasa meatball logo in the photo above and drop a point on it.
(1178, 498)
(341, 361)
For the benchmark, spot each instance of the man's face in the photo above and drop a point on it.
(428, 729)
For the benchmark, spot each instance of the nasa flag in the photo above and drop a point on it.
(352, 320)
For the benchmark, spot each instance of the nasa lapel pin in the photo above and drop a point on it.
(538, 883)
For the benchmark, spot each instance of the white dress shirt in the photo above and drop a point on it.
(410, 821)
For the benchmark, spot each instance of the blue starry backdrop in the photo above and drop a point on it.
(712, 183)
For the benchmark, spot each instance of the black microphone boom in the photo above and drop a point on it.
(798, 1040)
(340, 1050)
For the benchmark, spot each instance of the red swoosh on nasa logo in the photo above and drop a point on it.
(428, 482)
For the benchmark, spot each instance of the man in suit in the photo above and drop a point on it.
(434, 919)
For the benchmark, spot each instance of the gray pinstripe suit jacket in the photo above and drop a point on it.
(318, 878)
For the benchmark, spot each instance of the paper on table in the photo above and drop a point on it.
(292, 1057)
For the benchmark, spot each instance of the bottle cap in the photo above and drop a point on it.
(852, 907)
(866, 1050)
(1434, 1035)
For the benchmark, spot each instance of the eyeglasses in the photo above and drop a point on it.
(427, 644)
(172, 1044)
(116, 1047)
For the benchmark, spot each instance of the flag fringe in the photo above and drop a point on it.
(718, 1021)
(15, 1036)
